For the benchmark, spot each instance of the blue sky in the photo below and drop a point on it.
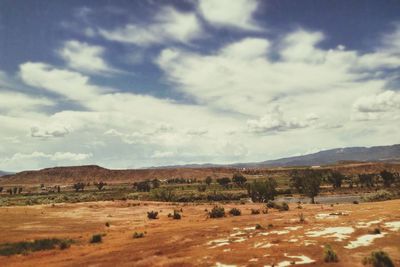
(127, 84)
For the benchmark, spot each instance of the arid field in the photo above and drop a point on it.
(281, 239)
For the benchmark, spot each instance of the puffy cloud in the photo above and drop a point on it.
(58, 156)
(274, 121)
(72, 85)
(11, 101)
(84, 57)
(170, 25)
(238, 13)
(51, 131)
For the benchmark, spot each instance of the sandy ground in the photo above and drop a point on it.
(196, 240)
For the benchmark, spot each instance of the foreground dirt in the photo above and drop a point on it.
(196, 240)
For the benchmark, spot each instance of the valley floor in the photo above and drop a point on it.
(197, 240)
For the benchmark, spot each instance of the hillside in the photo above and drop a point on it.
(92, 173)
(332, 156)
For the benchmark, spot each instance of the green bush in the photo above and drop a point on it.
(378, 259)
(138, 234)
(329, 254)
(97, 238)
(217, 212)
(152, 215)
(235, 212)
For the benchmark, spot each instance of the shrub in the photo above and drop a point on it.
(217, 212)
(355, 202)
(329, 254)
(65, 244)
(97, 238)
(376, 231)
(107, 224)
(177, 215)
(380, 195)
(138, 234)
(235, 212)
(152, 215)
(255, 212)
(378, 259)
(32, 246)
(258, 226)
(301, 218)
(283, 206)
(202, 188)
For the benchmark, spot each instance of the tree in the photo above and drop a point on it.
(208, 180)
(143, 186)
(100, 185)
(224, 182)
(296, 181)
(156, 183)
(262, 190)
(1, 189)
(239, 179)
(79, 186)
(336, 179)
(388, 178)
(311, 183)
(366, 179)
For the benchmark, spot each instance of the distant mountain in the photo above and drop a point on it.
(324, 157)
(333, 156)
(2, 173)
(352, 159)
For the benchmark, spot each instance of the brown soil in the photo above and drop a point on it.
(195, 240)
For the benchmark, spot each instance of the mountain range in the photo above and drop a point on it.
(347, 159)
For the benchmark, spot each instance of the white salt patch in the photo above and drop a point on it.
(249, 228)
(303, 260)
(227, 250)
(280, 232)
(325, 216)
(367, 224)
(364, 240)
(263, 245)
(293, 228)
(253, 260)
(393, 226)
(339, 232)
(294, 240)
(241, 239)
(238, 233)
(309, 242)
(212, 242)
(224, 265)
(265, 233)
(218, 243)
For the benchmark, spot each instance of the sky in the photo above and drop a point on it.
(133, 84)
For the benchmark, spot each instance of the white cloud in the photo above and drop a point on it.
(84, 57)
(58, 156)
(170, 25)
(50, 131)
(12, 101)
(71, 84)
(237, 13)
(274, 121)
(163, 154)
